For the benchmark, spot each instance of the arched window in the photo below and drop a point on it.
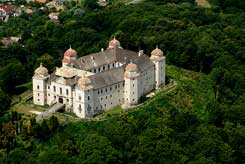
(54, 89)
(80, 108)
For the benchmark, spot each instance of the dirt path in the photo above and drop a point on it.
(203, 3)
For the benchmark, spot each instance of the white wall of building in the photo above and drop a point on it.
(131, 92)
(39, 91)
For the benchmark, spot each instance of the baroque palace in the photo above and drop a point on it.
(97, 82)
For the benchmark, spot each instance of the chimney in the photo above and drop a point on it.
(141, 52)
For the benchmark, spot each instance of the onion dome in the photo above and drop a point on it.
(131, 67)
(41, 70)
(114, 43)
(70, 52)
(131, 71)
(157, 52)
(68, 60)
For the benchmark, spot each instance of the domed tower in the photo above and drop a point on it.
(39, 85)
(159, 60)
(70, 57)
(114, 43)
(131, 87)
(84, 104)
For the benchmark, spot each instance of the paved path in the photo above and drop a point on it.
(50, 111)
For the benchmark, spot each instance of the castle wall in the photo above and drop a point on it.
(147, 81)
(83, 105)
(160, 72)
(108, 97)
(39, 91)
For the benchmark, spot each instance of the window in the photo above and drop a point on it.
(115, 86)
(67, 92)
(113, 65)
(133, 99)
(67, 100)
(105, 97)
(103, 67)
(101, 98)
(38, 99)
(99, 69)
(98, 92)
(37, 86)
(54, 89)
(108, 66)
(110, 88)
(80, 108)
(101, 91)
(60, 90)
(54, 97)
(48, 94)
(106, 90)
(133, 85)
(88, 98)
(105, 105)
(38, 94)
(48, 87)
(79, 98)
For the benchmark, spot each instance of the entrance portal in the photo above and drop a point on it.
(60, 100)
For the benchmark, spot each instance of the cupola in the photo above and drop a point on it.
(70, 57)
(70, 52)
(157, 52)
(41, 71)
(114, 43)
(131, 70)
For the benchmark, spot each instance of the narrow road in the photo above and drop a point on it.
(50, 111)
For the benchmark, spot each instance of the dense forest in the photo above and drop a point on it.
(202, 121)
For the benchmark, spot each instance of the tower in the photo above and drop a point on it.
(131, 87)
(159, 60)
(70, 57)
(39, 85)
(84, 105)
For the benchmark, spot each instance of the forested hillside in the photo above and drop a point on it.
(202, 121)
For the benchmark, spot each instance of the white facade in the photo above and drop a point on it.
(100, 81)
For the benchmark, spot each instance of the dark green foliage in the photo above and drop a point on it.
(4, 102)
